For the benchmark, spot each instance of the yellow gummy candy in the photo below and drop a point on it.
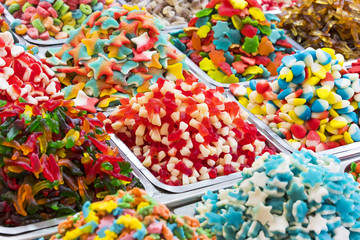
(330, 51)
(206, 64)
(230, 79)
(104, 206)
(259, 98)
(92, 217)
(295, 118)
(239, 4)
(203, 31)
(322, 136)
(289, 76)
(129, 222)
(331, 129)
(322, 128)
(257, 14)
(323, 92)
(74, 234)
(297, 101)
(141, 205)
(108, 92)
(216, 75)
(253, 70)
(256, 110)
(313, 81)
(336, 138)
(218, 17)
(105, 102)
(333, 113)
(286, 117)
(347, 138)
(355, 105)
(176, 70)
(243, 101)
(237, 22)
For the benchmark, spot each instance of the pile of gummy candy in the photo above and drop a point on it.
(56, 154)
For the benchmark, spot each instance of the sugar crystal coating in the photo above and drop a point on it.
(313, 103)
(298, 196)
(115, 53)
(129, 215)
(232, 41)
(54, 158)
(184, 132)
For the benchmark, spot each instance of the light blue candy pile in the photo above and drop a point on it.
(298, 196)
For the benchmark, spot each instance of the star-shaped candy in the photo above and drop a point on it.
(279, 224)
(344, 206)
(222, 43)
(101, 67)
(262, 214)
(234, 218)
(175, 71)
(296, 192)
(317, 224)
(83, 102)
(118, 40)
(259, 179)
(143, 42)
(317, 194)
(311, 178)
(256, 197)
(129, 26)
(142, 56)
(341, 233)
(220, 29)
(94, 44)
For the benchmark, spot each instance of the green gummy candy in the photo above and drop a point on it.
(14, 7)
(58, 5)
(82, 19)
(25, 6)
(64, 9)
(37, 23)
(204, 12)
(265, 29)
(251, 44)
(250, 21)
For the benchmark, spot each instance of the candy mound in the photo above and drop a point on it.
(269, 5)
(318, 24)
(54, 158)
(171, 12)
(233, 41)
(312, 104)
(46, 19)
(184, 132)
(23, 76)
(114, 54)
(129, 215)
(298, 196)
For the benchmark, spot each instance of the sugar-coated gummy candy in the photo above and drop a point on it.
(298, 196)
(184, 132)
(327, 24)
(129, 215)
(269, 5)
(23, 76)
(115, 54)
(54, 158)
(232, 41)
(171, 12)
(52, 19)
(313, 103)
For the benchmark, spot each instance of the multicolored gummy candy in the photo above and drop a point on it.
(184, 132)
(355, 67)
(129, 215)
(330, 24)
(171, 12)
(298, 196)
(23, 76)
(52, 19)
(114, 54)
(54, 158)
(232, 41)
(313, 103)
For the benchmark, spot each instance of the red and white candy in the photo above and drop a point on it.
(23, 76)
(184, 132)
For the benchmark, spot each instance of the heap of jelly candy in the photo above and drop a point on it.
(332, 24)
(298, 196)
(184, 132)
(52, 19)
(53, 159)
(23, 76)
(270, 5)
(313, 103)
(114, 54)
(129, 215)
(233, 41)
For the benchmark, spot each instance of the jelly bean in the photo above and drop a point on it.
(246, 40)
(324, 99)
(188, 137)
(42, 138)
(114, 57)
(126, 214)
(278, 195)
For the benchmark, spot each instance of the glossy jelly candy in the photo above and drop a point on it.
(23, 77)
(114, 54)
(184, 132)
(54, 158)
(232, 41)
(129, 215)
(302, 195)
(313, 103)
(331, 28)
(52, 19)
